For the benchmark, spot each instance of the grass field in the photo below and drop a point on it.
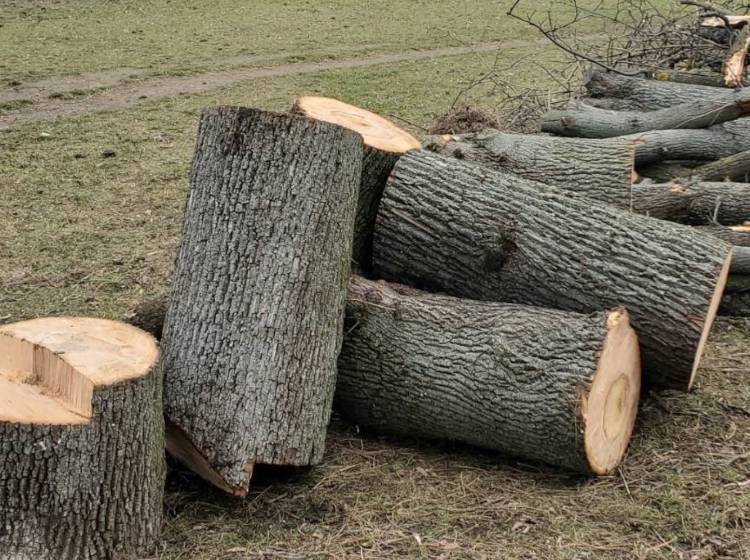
(91, 235)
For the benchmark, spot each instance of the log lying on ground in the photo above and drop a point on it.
(600, 123)
(384, 143)
(453, 226)
(735, 235)
(81, 440)
(668, 170)
(693, 202)
(597, 169)
(710, 143)
(545, 385)
(637, 94)
(257, 298)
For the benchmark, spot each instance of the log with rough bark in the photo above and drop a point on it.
(600, 123)
(384, 143)
(81, 440)
(709, 144)
(257, 298)
(539, 384)
(597, 169)
(631, 93)
(693, 202)
(735, 167)
(704, 77)
(449, 225)
(741, 260)
(668, 170)
(736, 235)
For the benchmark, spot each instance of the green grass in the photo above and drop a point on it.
(88, 235)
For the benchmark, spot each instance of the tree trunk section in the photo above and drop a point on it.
(731, 168)
(597, 169)
(693, 202)
(384, 142)
(734, 67)
(258, 292)
(81, 440)
(706, 144)
(539, 384)
(626, 93)
(600, 123)
(472, 232)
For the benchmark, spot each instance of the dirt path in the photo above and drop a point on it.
(123, 92)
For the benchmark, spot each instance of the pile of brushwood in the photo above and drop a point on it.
(507, 291)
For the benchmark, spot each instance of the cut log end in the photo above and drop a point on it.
(713, 308)
(50, 368)
(181, 448)
(376, 131)
(610, 407)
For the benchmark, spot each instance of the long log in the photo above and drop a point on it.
(539, 384)
(81, 441)
(257, 298)
(736, 235)
(384, 143)
(453, 226)
(600, 123)
(735, 167)
(623, 93)
(708, 144)
(597, 169)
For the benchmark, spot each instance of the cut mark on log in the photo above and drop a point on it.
(713, 308)
(376, 131)
(609, 409)
(182, 448)
(49, 368)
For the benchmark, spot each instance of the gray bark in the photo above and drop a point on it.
(258, 292)
(638, 94)
(730, 168)
(741, 260)
(694, 202)
(597, 169)
(736, 303)
(739, 238)
(500, 376)
(452, 226)
(705, 144)
(600, 123)
(664, 171)
(86, 492)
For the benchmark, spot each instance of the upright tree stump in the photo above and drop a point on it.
(540, 384)
(384, 143)
(256, 306)
(448, 225)
(81, 441)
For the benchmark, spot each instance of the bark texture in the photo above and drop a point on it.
(739, 238)
(90, 491)
(600, 123)
(597, 169)
(705, 144)
(694, 202)
(735, 167)
(500, 376)
(449, 225)
(256, 306)
(638, 94)
(741, 260)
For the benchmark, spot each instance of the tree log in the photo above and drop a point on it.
(257, 297)
(384, 142)
(736, 235)
(741, 260)
(81, 440)
(597, 169)
(539, 384)
(452, 226)
(731, 168)
(600, 123)
(628, 93)
(693, 202)
(709, 144)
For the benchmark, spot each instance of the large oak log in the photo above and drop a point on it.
(453, 226)
(539, 384)
(597, 169)
(637, 94)
(600, 123)
(710, 143)
(257, 297)
(384, 142)
(81, 440)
